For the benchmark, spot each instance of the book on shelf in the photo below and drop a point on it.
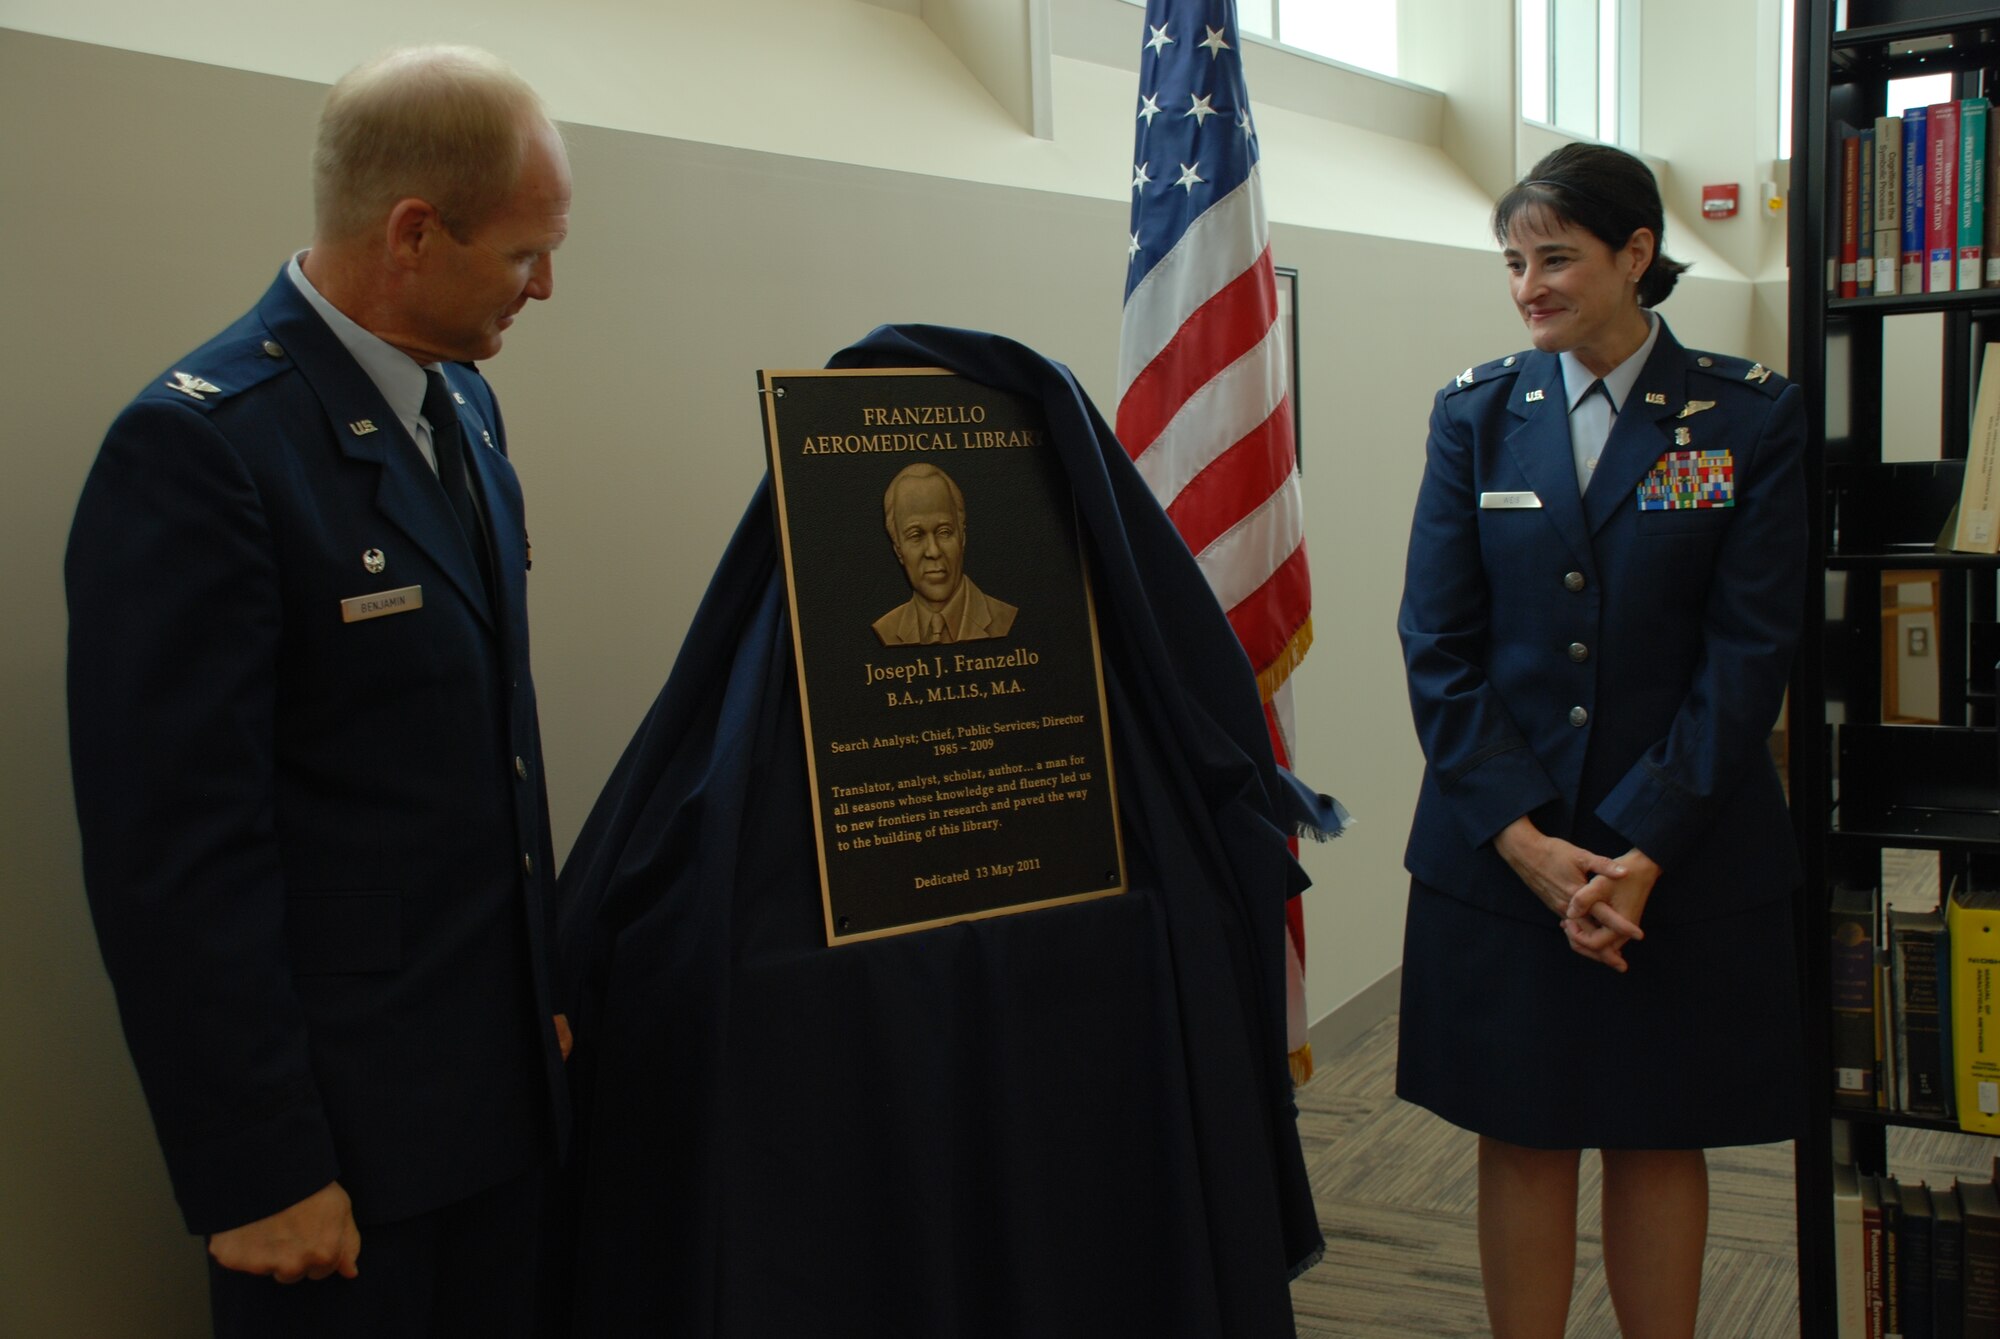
(1941, 219)
(1979, 1205)
(1864, 211)
(1850, 212)
(1919, 1059)
(1851, 1304)
(1977, 520)
(1888, 1077)
(1972, 919)
(1916, 152)
(1972, 134)
(1890, 1268)
(1947, 1264)
(1949, 1070)
(1913, 1257)
(1871, 1254)
(1852, 914)
(1887, 210)
(1990, 240)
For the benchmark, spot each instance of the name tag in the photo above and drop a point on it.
(382, 602)
(1507, 501)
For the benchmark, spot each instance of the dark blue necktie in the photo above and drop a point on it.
(448, 443)
(1591, 420)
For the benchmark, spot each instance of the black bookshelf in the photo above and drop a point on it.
(1860, 785)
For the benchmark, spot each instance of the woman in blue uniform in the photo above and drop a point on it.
(1606, 576)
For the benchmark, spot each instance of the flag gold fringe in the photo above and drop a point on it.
(1272, 677)
(1302, 1065)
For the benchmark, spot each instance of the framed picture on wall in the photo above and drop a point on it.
(1288, 313)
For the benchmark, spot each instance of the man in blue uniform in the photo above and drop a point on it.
(307, 764)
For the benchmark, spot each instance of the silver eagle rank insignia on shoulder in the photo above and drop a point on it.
(1483, 374)
(1743, 372)
(189, 384)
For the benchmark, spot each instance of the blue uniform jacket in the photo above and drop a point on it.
(317, 851)
(1610, 670)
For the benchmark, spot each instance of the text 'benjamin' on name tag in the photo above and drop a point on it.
(1507, 501)
(381, 603)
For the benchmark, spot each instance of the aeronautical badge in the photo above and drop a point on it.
(373, 562)
(190, 385)
(1465, 377)
(1693, 407)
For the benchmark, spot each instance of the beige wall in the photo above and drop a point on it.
(148, 200)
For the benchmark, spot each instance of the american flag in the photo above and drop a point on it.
(1204, 402)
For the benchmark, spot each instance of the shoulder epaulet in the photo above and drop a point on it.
(1741, 371)
(1480, 373)
(219, 370)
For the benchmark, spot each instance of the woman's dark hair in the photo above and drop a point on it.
(1604, 191)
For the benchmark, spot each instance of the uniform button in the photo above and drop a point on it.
(271, 349)
(1579, 652)
(520, 768)
(1572, 581)
(1704, 362)
(1578, 716)
(528, 861)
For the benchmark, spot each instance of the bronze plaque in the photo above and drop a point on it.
(949, 674)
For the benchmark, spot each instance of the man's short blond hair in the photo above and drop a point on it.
(445, 124)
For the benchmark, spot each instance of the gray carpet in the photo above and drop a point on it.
(1397, 1195)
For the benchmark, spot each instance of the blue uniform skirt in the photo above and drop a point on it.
(1507, 1032)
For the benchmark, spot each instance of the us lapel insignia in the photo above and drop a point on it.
(486, 437)
(1757, 372)
(1533, 397)
(188, 384)
(459, 398)
(373, 562)
(1465, 378)
(1655, 397)
(361, 427)
(1682, 437)
(1693, 407)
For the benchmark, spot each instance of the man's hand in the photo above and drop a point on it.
(563, 1037)
(311, 1240)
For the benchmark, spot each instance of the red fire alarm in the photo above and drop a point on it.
(1718, 202)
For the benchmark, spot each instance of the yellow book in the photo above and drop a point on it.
(1975, 1010)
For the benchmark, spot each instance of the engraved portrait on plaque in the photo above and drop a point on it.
(924, 512)
(958, 745)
